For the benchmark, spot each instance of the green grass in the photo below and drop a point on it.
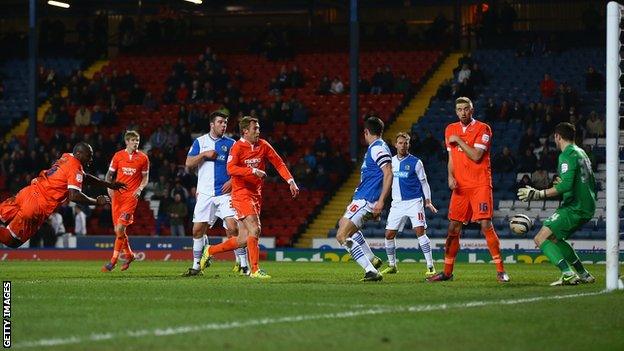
(222, 311)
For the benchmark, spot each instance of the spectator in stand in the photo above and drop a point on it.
(324, 86)
(82, 118)
(80, 224)
(595, 126)
(464, 74)
(310, 158)
(299, 113)
(137, 94)
(504, 162)
(548, 88)
(282, 78)
(322, 144)
(491, 110)
(377, 82)
(195, 95)
(548, 126)
(162, 217)
(387, 80)
(169, 96)
(504, 112)
(97, 117)
(540, 178)
(528, 141)
(158, 138)
(527, 162)
(517, 112)
(363, 86)
(430, 146)
(274, 87)
(178, 189)
(337, 87)
(403, 85)
(548, 158)
(594, 81)
(177, 215)
(477, 77)
(149, 103)
(524, 182)
(295, 78)
(182, 94)
(285, 146)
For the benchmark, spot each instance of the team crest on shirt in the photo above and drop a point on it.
(407, 167)
(79, 178)
(224, 148)
(485, 138)
(564, 167)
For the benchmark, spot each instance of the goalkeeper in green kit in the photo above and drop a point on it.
(576, 186)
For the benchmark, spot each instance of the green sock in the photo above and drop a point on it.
(555, 256)
(570, 255)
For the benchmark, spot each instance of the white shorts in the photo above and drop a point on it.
(359, 211)
(400, 211)
(208, 208)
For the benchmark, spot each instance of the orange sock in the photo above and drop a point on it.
(119, 243)
(494, 245)
(254, 252)
(450, 252)
(126, 248)
(228, 245)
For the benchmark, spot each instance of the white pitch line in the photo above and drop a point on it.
(202, 299)
(290, 319)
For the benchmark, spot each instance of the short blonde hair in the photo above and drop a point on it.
(245, 122)
(402, 135)
(131, 134)
(463, 100)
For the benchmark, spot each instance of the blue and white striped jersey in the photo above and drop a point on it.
(212, 174)
(371, 180)
(409, 181)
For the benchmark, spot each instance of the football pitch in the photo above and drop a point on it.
(306, 306)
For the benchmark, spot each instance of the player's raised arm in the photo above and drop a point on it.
(233, 167)
(194, 158)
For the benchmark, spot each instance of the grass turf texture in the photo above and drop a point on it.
(163, 311)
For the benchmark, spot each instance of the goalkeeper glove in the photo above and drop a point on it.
(528, 193)
(557, 180)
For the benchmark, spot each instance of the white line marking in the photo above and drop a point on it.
(290, 319)
(179, 299)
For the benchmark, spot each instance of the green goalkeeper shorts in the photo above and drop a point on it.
(564, 222)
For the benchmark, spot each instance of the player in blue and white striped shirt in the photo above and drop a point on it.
(368, 200)
(409, 187)
(209, 153)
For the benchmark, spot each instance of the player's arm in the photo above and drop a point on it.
(144, 179)
(422, 177)
(473, 153)
(567, 170)
(385, 188)
(78, 196)
(277, 162)
(107, 183)
(233, 167)
(194, 157)
(449, 167)
(382, 157)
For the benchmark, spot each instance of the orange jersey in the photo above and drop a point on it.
(468, 173)
(244, 157)
(130, 169)
(54, 184)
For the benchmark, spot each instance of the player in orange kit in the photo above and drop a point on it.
(24, 213)
(470, 180)
(246, 165)
(130, 166)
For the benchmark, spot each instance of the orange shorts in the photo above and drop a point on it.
(471, 205)
(246, 205)
(123, 208)
(25, 213)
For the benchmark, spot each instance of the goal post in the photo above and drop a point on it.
(614, 16)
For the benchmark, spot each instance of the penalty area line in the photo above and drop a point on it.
(288, 319)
